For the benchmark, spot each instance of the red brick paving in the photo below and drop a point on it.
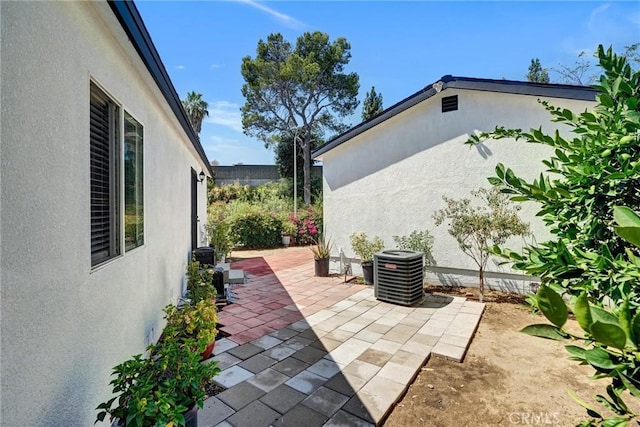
(279, 290)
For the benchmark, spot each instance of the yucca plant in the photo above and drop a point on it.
(322, 248)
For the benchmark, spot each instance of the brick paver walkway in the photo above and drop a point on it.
(346, 361)
(279, 290)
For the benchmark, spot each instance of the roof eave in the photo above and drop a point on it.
(132, 23)
(504, 86)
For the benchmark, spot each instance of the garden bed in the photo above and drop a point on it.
(507, 378)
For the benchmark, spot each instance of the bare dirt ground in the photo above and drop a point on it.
(506, 378)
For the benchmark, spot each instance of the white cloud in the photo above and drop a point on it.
(220, 144)
(225, 113)
(592, 25)
(285, 20)
(214, 66)
(180, 67)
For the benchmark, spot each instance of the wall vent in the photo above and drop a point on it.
(398, 276)
(449, 103)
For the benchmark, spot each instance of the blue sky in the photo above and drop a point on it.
(398, 47)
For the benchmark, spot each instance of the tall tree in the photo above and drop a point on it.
(536, 73)
(283, 155)
(372, 104)
(583, 72)
(299, 91)
(196, 109)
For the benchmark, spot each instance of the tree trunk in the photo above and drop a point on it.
(481, 284)
(306, 151)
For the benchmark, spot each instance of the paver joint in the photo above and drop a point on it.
(316, 351)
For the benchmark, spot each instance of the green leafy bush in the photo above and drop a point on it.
(307, 229)
(612, 337)
(219, 231)
(158, 390)
(254, 228)
(227, 193)
(235, 208)
(419, 241)
(595, 169)
(477, 228)
(365, 248)
(199, 283)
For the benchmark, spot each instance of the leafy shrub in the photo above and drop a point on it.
(196, 320)
(306, 227)
(219, 230)
(613, 337)
(590, 172)
(232, 205)
(159, 389)
(420, 241)
(254, 228)
(478, 228)
(227, 193)
(364, 248)
(199, 283)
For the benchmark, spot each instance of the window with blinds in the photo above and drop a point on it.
(104, 142)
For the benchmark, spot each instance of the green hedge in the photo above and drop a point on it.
(256, 229)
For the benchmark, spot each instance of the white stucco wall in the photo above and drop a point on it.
(64, 326)
(390, 179)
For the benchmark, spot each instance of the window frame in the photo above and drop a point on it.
(124, 197)
(117, 180)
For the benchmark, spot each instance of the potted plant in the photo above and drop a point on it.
(219, 233)
(199, 282)
(288, 229)
(164, 389)
(193, 323)
(321, 254)
(365, 250)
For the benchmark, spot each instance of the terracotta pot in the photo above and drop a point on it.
(207, 351)
(322, 267)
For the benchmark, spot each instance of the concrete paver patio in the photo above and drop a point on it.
(313, 351)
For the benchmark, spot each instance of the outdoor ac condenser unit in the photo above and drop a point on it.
(398, 276)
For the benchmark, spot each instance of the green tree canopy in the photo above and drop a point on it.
(584, 70)
(283, 154)
(299, 90)
(372, 104)
(536, 73)
(196, 109)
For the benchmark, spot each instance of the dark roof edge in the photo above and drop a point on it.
(132, 23)
(549, 90)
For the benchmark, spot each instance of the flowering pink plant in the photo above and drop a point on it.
(306, 227)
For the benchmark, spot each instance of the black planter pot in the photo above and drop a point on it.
(367, 273)
(322, 267)
(190, 418)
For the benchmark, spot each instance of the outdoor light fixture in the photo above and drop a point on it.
(201, 176)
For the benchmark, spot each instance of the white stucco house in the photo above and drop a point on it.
(387, 176)
(101, 198)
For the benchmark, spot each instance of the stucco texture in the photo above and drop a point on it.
(64, 325)
(389, 180)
